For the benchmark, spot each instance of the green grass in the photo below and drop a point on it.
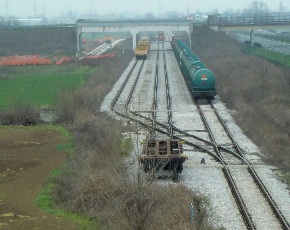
(277, 37)
(275, 57)
(39, 85)
(66, 146)
(66, 133)
(70, 146)
(284, 176)
(44, 199)
(2, 195)
(126, 147)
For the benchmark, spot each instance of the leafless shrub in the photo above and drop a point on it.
(91, 95)
(8, 22)
(96, 183)
(20, 115)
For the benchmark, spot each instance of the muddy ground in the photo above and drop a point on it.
(27, 156)
(46, 41)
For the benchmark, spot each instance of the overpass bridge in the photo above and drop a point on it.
(276, 21)
(132, 26)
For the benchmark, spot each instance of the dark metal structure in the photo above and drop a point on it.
(163, 155)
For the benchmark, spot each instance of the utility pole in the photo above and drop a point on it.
(7, 9)
(34, 9)
(43, 9)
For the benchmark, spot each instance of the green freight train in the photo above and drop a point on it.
(200, 79)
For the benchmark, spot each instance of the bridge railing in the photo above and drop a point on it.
(275, 19)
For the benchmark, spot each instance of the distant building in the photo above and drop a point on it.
(30, 21)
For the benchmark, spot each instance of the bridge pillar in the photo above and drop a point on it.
(134, 27)
(134, 33)
(251, 36)
(79, 41)
(190, 36)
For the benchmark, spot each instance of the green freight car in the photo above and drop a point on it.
(200, 79)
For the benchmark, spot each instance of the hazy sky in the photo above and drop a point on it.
(51, 8)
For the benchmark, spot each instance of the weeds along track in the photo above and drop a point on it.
(161, 110)
(255, 203)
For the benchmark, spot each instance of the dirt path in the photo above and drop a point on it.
(27, 156)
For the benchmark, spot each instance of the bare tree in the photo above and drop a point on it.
(257, 8)
(149, 16)
(8, 22)
(281, 7)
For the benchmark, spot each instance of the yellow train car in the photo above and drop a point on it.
(108, 39)
(142, 49)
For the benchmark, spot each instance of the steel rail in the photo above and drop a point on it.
(242, 207)
(154, 105)
(238, 198)
(122, 86)
(282, 220)
(168, 97)
(134, 86)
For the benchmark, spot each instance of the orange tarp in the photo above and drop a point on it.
(64, 60)
(24, 60)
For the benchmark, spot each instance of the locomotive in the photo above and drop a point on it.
(200, 79)
(142, 49)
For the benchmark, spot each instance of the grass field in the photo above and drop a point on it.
(275, 57)
(38, 85)
(27, 157)
(276, 37)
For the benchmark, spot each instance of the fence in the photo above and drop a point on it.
(274, 19)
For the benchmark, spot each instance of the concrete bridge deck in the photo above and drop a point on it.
(132, 26)
(250, 22)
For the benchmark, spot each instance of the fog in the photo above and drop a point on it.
(55, 8)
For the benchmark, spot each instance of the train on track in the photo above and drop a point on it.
(142, 49)
(108, 39)
(163, 155)
(160, 36)
(200, 80)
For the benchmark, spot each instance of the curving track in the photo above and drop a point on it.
(260, 211)
(153, 93)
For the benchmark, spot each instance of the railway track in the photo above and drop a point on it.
(222, 147)
(99, 50)
(250, 207)
(162, 102)
(103, 48)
